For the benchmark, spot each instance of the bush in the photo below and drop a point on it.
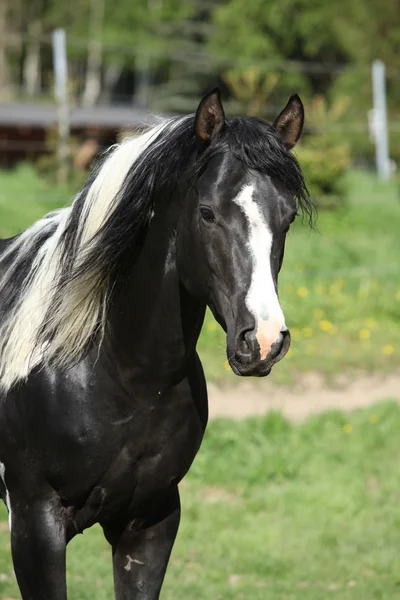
(324, 165)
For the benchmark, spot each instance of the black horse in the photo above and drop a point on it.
(104, 399)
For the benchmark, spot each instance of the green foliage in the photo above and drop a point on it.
(252, 88)
(259, 91)
(324, 168)
(272, 510)
(134, 24)
(325, 154)
(46, 165)
(184, 48)
(348, 32)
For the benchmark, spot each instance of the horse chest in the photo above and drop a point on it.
(149, 450)
(162, 438)
(160, 454)
(145, 467)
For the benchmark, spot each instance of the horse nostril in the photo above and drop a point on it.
(277, 346)
(280, 347)
(249, 338)
(245, 342)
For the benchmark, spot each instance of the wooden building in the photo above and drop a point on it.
(28, 131)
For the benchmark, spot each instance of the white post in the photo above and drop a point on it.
(380, 129)
(61, 94)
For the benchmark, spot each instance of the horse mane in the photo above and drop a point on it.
(59, 274)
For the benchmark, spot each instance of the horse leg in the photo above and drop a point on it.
(141, 551)
(38, 547)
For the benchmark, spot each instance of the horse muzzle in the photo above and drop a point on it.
(256, 352)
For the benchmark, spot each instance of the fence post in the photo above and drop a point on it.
(380, 127)
(61, 95)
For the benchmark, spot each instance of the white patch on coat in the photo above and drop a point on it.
(8, 502)
(76, 314)
(170, 258)
(131, 560)
(261, 300)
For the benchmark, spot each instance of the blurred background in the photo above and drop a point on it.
(295, 491)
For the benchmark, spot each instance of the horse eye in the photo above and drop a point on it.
(207, 214)
(290, 222)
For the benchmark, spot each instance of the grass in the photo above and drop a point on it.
(274, 510)
(271, 509)
(339, 288)
(24, 198)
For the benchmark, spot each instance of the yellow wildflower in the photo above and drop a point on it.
(347, 428)
(388, 349)
(364, 334)
(373, 419)
(227, 366)
(302, 291)
(325, 325)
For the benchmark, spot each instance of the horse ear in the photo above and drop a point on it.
(289, 124)
(210, 117)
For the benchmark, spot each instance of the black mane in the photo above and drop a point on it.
(167, 160)
(91, 272)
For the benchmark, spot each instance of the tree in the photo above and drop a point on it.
(94, 58)
(31, 63)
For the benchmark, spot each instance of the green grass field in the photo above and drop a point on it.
(339, 287)
(274, 511)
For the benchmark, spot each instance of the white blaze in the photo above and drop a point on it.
(261, 299)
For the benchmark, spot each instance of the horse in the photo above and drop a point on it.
(104, 400)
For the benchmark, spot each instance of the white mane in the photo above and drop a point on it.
(76, 316)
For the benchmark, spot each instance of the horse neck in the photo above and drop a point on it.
(154, 323)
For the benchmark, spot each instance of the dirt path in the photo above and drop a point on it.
(309, 397)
